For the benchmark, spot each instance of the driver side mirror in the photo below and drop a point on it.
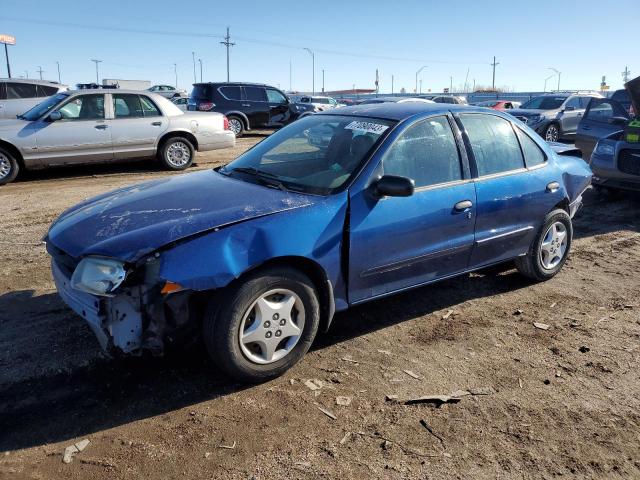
(55, 116)
(569, 109)
(394, 186)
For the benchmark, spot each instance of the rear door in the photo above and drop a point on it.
(255, 106)
(137, 123)
(512, 197)
(598, 122)
(81, 136)
(279, 113)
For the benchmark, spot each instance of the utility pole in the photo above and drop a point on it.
(493, 83)
(193, 56)
(417, 73)
(26, 72)
(175, 72)
(323, 80)
(625, 74)
(290, 69)
(392, 84)
(450, 84)
(200, 62)
(377, 82)
(40, 71)
(227, 43)
(474, 84)
(58, 65)
(313, 70)
(96, 62)
(557, 73)
(420, 85)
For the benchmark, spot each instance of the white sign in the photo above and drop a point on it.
(367, 127)
(8, 39)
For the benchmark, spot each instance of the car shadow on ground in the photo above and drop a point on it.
(71, 401)
(606, 212)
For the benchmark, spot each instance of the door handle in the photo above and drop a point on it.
(156, 124)
(463, 205)
(102, 126)
(246, 104)
(553, 186)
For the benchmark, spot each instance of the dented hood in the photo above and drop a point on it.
(133, 221)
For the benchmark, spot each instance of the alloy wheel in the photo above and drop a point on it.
(272, 326)
(5, 166)
(554, 246)
(178, 154)
(235, 126)
(552, 134)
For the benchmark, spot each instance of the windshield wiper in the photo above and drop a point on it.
(266, 177)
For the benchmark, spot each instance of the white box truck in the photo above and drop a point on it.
(127, 84)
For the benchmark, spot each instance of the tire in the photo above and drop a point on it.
(9, 167)
(253, 362)
(548, 253)
(236, 125)
(176, 153)
(552, 133)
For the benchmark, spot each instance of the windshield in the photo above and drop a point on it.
(316, 154)
(544, 103)
(43, 107)
(490, 103)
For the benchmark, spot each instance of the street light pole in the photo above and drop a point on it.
(58, 65)
(545, 82)
(558, 72)
(391, 84)
(323, 80)
(96, 62)
(175, 72)
(417, 73)
(313, 71)
(193, 56)
(200, 62)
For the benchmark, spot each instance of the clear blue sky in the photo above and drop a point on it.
(142, 39)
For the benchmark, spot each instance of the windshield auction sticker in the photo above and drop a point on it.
(366, 127)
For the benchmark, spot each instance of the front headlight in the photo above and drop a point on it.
(535, 119)
(98, 276)
(604, 149)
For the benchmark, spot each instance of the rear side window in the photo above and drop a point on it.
(149, 108)
(493, 142)
(46, 91)
(127, 106)
(3, 91)
(255, 94)
(231, 93)
(425, 152)
(202, 92)
(533, 154)
(21, 90)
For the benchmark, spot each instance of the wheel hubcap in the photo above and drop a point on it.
(5, 166)
(235, 126)
(178, 154)
(272, 326)
(553, 246)
(552, 134)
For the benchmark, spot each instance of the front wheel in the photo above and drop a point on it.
(8, 167)
(263, 325)
(549, 249)
(176, 153)
(552, 133)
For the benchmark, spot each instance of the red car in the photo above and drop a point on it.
(499, 104)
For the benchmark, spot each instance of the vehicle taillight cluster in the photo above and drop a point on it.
(225, 122)
(206, 106)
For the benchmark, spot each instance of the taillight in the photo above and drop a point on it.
(225, 122)
(206, 106)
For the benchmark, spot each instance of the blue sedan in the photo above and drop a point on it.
(331, 211)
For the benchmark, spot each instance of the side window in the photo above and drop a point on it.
(584, 102)
(84, 107)
(275, 96)
(600, 112)
(493, 142)
(255, 94)
(149, 108)
(127, 106)
(46, 91)
(426, 152)
(21, 90)
(573, 102)
(232, 93)
(533, 154)
(3, 91)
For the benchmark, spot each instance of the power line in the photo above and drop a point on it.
(227, 43)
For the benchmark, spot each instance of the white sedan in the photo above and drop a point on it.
(100, 126)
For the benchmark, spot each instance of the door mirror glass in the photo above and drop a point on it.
(394, 186)
(55, 116)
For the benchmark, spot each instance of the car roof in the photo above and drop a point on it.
(400, 111)
(234, 84)
(110, 90)
(32, 80)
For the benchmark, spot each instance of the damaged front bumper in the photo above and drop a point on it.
(138, 318)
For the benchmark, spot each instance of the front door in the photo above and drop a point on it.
(81, 136)
(401, 242)
(136, 126)
(279, 113)
(598, 122)
(570, 117)
(255, 106)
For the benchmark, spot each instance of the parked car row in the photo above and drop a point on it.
(19, 95)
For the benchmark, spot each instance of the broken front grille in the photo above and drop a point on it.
(629, 162)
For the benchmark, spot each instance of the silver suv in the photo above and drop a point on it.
(554, 116)
(18, 95)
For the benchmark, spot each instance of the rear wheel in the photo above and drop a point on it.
(264, 325)
(8, 167)
(552, 133)
(549, 249)
(176, 153)
(236, 125)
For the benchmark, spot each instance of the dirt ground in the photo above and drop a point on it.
(548, 403)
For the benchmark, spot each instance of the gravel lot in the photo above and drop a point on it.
(563, 401)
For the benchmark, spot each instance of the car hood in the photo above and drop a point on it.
(529, 112)
(131, 222)
(633, 87)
